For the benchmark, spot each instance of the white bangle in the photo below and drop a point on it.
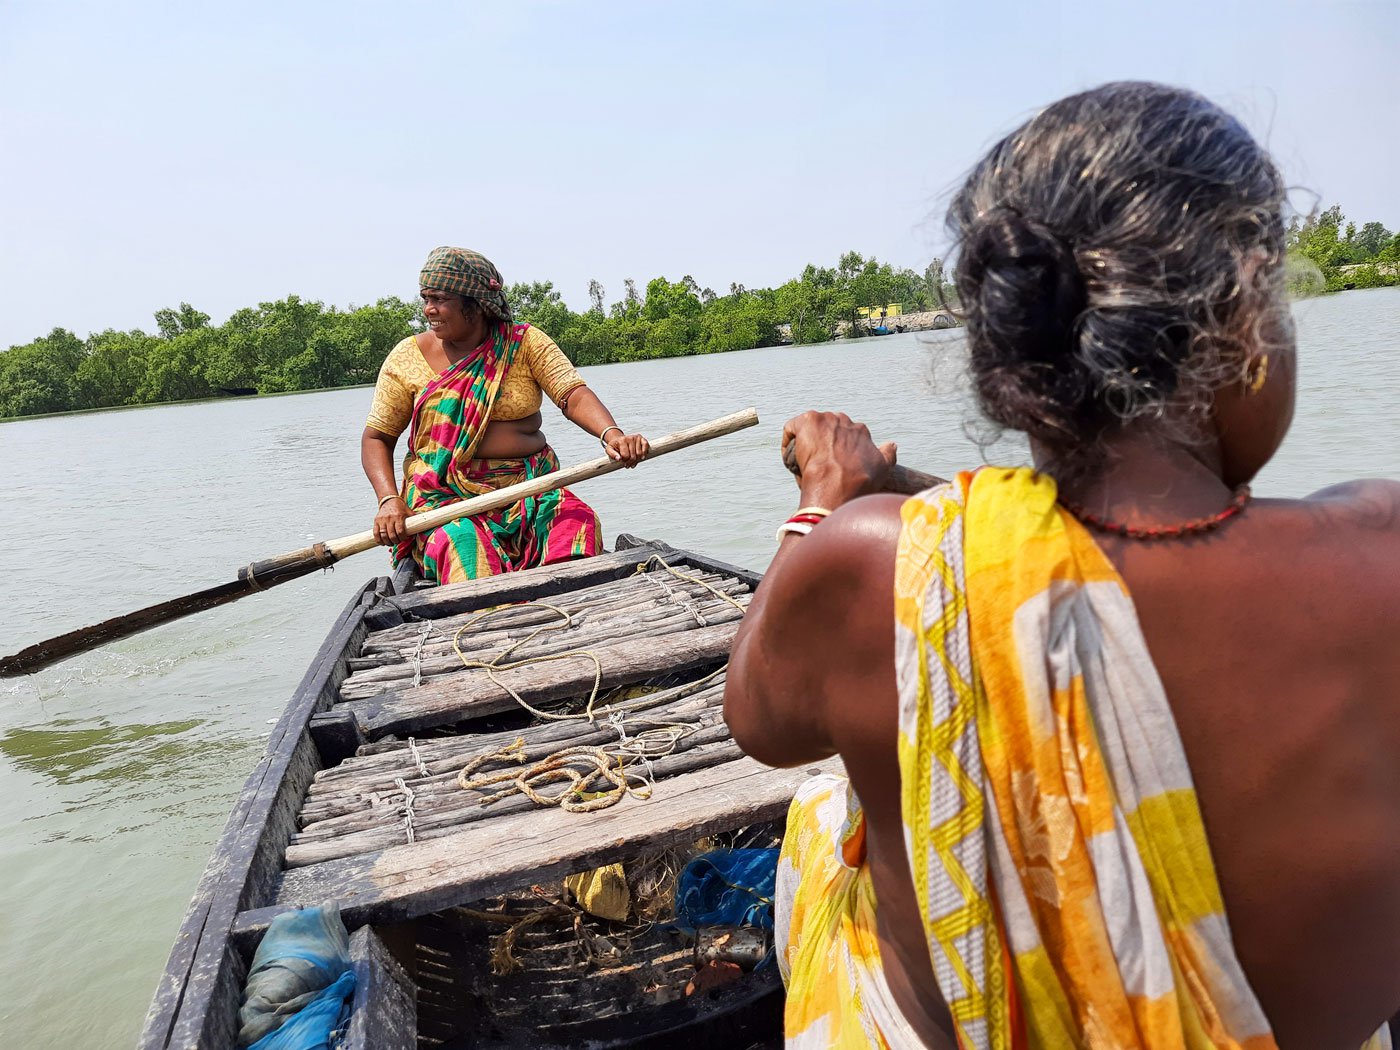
(603, 437)
(797, 528)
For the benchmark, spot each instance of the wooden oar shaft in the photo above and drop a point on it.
(272, 571)
(269, 572)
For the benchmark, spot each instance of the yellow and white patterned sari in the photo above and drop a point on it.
(1063, 876)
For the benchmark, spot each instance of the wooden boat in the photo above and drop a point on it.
(359, 799)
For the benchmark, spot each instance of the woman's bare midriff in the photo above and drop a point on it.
(512, 438)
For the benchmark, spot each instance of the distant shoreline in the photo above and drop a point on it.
(919, 321)
(192, 401)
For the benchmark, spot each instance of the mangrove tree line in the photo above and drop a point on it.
(293, 344)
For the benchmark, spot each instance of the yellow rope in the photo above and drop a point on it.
(552, 768)
(496, 665)
(642, 568)
(656, 742)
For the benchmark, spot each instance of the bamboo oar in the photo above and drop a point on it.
(261, 575)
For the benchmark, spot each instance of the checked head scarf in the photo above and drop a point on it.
(469, 273)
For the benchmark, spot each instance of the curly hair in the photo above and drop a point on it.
(1117, 256)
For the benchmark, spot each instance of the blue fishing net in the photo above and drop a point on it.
(298, 990)
(728, 887)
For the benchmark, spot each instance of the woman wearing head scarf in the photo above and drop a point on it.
(469, 391)
(1123, 743)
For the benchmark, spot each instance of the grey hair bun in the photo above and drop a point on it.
(1023, 295)
(1104, 264)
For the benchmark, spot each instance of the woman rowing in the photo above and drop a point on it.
(1125, 741)
(469, 391)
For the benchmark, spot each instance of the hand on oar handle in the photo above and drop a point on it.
(389, 523)
(845, 459)
(630, 449)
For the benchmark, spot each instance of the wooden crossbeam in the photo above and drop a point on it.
(492, 857)
(435, 602)
(473, 694)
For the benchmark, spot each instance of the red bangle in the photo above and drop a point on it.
(801, 523)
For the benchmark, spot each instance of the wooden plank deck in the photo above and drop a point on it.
(384, 1011)
(435, 602)
(407, 881)
(464, 852)
(392, 666)
(474, 695)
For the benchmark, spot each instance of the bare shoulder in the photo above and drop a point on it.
(820, 626)
(1367, 503)
(846, 564)
(1346, 542)
(859, 536)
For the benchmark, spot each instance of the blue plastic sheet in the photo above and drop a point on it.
(299, 986)
(318, 1024)
(728, 887)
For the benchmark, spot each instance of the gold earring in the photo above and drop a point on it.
(1258, 376)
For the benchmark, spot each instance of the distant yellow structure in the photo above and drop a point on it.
(891, 310)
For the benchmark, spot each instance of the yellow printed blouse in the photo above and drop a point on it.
(539, 367)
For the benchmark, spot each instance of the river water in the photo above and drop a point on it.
(117, 769)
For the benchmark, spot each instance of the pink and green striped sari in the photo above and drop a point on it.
(449, 419)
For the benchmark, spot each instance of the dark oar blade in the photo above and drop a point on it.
(42, 654)
(256, 577)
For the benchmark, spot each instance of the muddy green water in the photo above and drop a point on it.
(117, 769)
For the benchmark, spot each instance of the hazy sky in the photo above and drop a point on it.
(227, 154)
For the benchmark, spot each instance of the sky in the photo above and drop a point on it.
(231, 154)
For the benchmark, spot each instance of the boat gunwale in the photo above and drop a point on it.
(244, 860)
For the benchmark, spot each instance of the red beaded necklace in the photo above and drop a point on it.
(1164, 532)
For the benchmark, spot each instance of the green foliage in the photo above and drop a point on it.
(1370, 275)
(1327, 253)
(538, 304)
(113, 369)
(41, 376)
(293, 344)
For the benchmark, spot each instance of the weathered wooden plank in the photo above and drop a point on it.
(444, 816)
(384, 1011)
(193, 1004)
(404, 882)
(627, 588)
(336, 735)
(586, 609)
(353, 796)
(705, 563)
(456, 698)
(404, 577)
(509, 587)
(661, 621)
(376, 765)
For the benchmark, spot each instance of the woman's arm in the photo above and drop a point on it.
(817, 643)
(377, 457)
(582, 407)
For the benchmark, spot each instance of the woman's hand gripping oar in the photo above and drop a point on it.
(902, 480)
(261, 575)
